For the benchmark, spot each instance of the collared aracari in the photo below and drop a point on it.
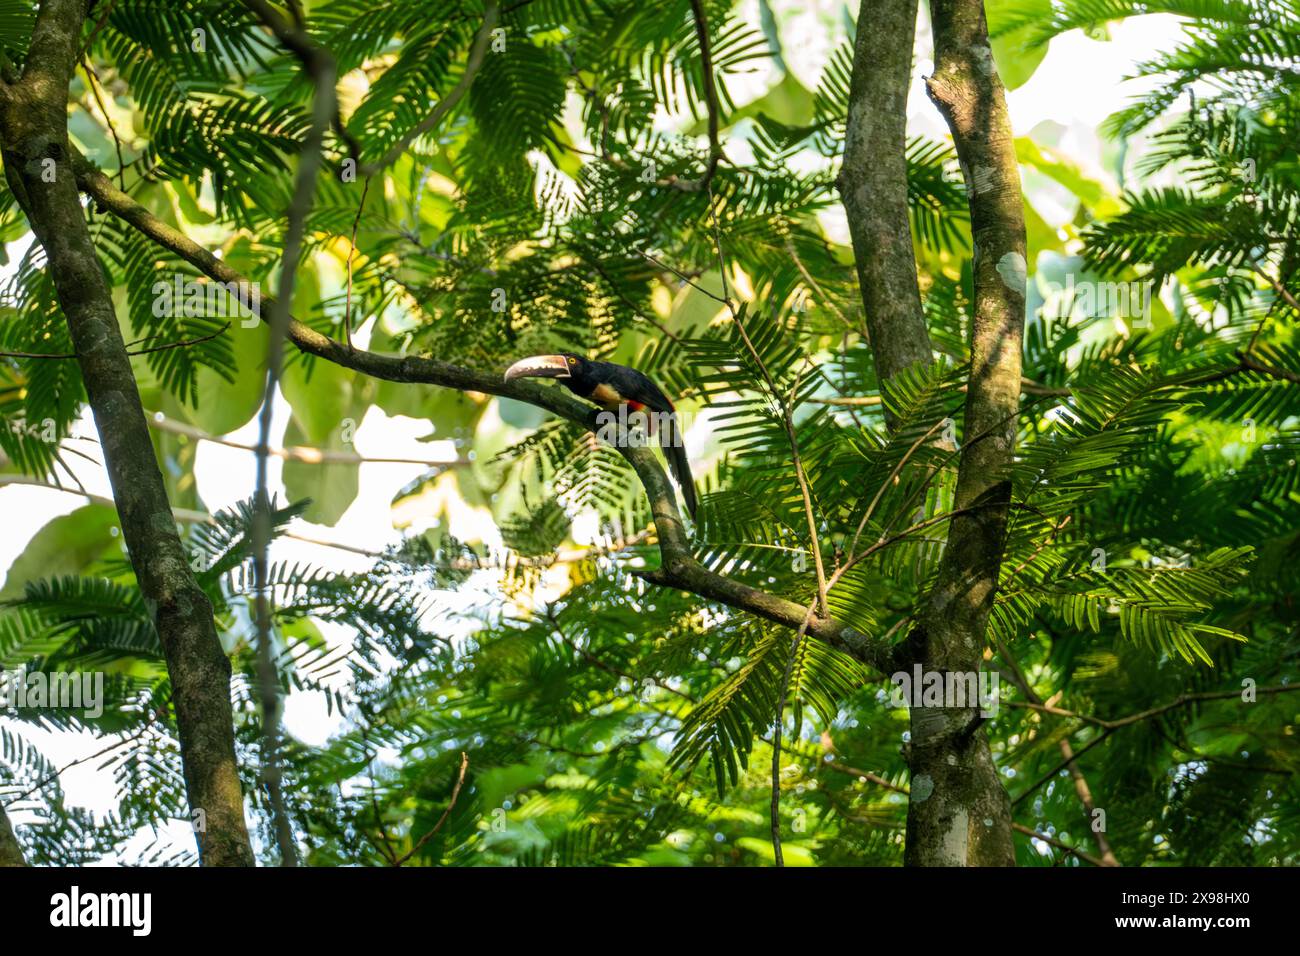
(611, 386)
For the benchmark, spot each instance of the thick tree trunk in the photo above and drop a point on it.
(39, 171)
(11, 854)
(959, 812)
(873, 186)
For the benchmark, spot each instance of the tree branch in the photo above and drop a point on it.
(315, 59)
(153, 348)
(319, 65)
(678, 568)
(451, 804)
(710, 103)
(873, 186)
(33, 126)
(1052, 841)
(303, 453)
(1081, 787)
(1182, 700)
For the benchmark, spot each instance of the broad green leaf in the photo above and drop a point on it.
(68, 544)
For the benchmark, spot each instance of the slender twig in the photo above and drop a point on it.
(99, 25)
(1103, 736)
(1177, 742)
(636, 311)
(148, 722)
(865, 775)
(1251, 364)
(1081, 787)
(385, 849)
(778, 726)
(477, 53)
(303, 453)
(38, 355)
(1052, 841)
(1281, 290)
(1018, 827)
(812, 284)
(352, 251)
(1181, 700)
(1111, 726)
(153, 348)
(608, 668)
(684, 277)
(1037, 551)
(907, 532)
(181, 345)
(898, 468)
(322, 70)
(92, 81)
(455, 794)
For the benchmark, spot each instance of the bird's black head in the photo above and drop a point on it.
(571, 369)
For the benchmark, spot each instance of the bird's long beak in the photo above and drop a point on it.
(539, 366)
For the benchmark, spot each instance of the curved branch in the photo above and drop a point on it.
(678, 569)
(710, 101)
(316, 61)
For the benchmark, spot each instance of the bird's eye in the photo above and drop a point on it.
(573, 361)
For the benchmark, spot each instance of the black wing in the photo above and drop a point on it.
(636, 387)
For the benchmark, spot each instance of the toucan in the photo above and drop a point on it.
(611, 386)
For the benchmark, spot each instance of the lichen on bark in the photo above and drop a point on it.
(39, 170)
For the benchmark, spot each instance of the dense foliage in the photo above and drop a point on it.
(1155, 528)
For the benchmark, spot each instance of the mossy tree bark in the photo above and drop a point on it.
(873, 186)
(959, 812)
(38, 167)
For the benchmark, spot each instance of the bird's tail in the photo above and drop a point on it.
(680, 466)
